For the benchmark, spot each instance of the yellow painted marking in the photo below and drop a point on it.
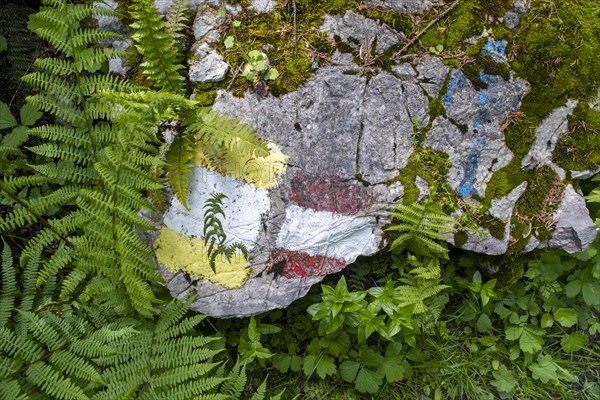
(178, 252)
(261, 172)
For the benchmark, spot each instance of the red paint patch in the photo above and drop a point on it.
(329, 194)
(298, 264)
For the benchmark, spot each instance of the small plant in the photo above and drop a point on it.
(258, 69)
(437, 50)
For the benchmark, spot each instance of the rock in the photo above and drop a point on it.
(548, 134)
(407, 6)
(405, 72)
(471, 135)
(432, 75)
(113, 24)
(584, 174)
(574, 230)
(354, 27)
(208, 67)
(423, 187)
(205, 24)
(501, 210)
(163, 5)
(512, 17)
(263, 6)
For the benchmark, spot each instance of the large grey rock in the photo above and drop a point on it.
(207, 66)
(354, 27)
(408, 6)
(501, 209)
(471, 136)
(547, 136)
(432, 75)
(574, 230)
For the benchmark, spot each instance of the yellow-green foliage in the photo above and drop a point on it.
(178, 252)
(580, 149)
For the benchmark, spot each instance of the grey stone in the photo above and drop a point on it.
(512, 17)
(163, 5)
(405, 71)
(574, 230)
(113, 24)
(584, 174)
(432, 75)
(263, 6)
(354, 26)
(208, 66)
(502, 209)
(205, 24)
(407, 6)
(423, 187)
(547, 136)
(479, 149)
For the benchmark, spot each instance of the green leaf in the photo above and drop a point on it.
(547, 321)
(574, 341)
(484, 323)
(326, 366)
(271, 74)
(591, 293)
(544, 370)
(236, 23)
(253, 333)
(370, 357)
(348, 370)
(392, 368)
(368, 381)
(504, 381)
(530, 340)
(7, 120)
(17, 137)
(573, 288)
(309, 366)
(281, 362)
(567, 317)
(229, 41)
(513, 332)
(30, 114)
(3, 44)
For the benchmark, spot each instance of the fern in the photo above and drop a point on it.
(419, 227)
(177, 22)
(213, 232)
(157, 46)
(53, 349)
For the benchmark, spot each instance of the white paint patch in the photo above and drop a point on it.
(327, 234)
(243, 207)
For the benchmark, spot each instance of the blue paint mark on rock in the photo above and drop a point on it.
(466, 188)
(457, 81)
(495, 49)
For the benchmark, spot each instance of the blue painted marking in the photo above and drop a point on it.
(457, 81)
(495, 48)
(466, 188)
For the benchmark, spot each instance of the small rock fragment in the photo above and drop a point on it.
(208, 67)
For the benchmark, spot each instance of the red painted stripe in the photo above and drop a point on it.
(298, 264)
(328, 193)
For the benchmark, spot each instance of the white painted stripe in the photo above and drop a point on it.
(327, 234)
(243, 207)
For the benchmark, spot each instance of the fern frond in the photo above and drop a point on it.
(179, 157)
(419, 227)
(157, 47)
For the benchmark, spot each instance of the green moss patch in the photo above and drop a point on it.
(580, 149)
(558, 52)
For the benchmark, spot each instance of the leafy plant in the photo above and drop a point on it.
(419, 227)
(257, 68)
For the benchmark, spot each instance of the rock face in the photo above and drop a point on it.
(349, 135)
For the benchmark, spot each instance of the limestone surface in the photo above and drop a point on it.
(208, 66)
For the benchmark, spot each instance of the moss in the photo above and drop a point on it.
(400, 22)
(580, 149)
(540, 183)
(462, 22)
(486, 65)
(557, 53)
(436, 108)
(495, 226)
(460, 238)
(206, 98)
(512, 268)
